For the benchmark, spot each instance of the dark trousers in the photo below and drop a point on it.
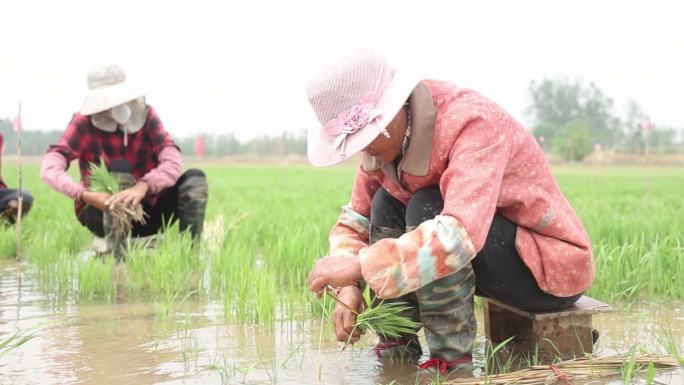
(164, 212)
(499, 271)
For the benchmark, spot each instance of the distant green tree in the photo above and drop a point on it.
(633, 140)
(662, 140)
(556, 102)
(573, 141)
(228, 144)
(545, 133)
(33, 142)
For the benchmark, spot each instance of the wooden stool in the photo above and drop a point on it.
(566, 333)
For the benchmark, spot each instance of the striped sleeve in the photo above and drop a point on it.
(349, 234)
(437, 248)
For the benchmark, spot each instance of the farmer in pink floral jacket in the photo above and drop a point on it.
(453, 197)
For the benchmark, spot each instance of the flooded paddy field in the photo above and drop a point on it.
(238, 311)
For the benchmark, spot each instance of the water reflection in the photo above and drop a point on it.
(129, 343)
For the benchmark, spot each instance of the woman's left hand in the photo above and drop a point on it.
(130, 196)
(334, 271)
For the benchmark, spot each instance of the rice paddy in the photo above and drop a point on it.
(237, 309)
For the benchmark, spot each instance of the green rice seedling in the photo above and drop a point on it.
(670, 345)
(96, 279)
(629, 368)
(190, 345)
(491, 362)
(271, 369)
(650, 373)
(386, 320)
(224, 366)
(171, 266)
(8, 241)
(298, 350)
(101, 180)
(245, 370)
(14, 341)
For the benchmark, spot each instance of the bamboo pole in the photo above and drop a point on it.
(20, 199)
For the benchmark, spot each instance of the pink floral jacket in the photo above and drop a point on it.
(483, 162)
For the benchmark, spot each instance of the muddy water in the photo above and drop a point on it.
(131, 343)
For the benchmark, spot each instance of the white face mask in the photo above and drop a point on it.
(121, 113)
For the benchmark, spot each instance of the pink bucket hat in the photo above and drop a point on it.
(355, 100)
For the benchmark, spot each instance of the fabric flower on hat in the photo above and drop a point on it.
(353, 119)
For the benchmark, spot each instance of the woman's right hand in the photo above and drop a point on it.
(343, 318)
(96, 199)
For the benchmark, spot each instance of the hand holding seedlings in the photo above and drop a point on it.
(353, 316)
(350, 303)
(129, 197)
(104, 187)
(334, 271)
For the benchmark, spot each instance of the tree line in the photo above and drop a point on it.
(215, 145)
(571, 119)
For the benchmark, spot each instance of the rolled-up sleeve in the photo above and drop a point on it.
(166, 173)
(56, 161)
(168, 170)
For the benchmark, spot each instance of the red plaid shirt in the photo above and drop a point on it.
(83, 141)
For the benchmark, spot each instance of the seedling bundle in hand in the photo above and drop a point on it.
(123, 216)
(384, 319)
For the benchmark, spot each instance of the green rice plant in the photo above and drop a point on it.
(172, 266)
(671, 346)
(629, 368)
(245, 370)
(8, 241)
(101, 180)
(259, 262)
(491, 361)
(650, 373)
(224, 366)
(14, 341)
(96, 279)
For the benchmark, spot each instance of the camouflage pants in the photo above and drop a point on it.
(444, 308)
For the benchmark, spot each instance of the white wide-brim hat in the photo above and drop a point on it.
(108, 88)
(354, 100)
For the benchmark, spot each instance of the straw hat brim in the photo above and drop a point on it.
(321, 150)
(104, 98)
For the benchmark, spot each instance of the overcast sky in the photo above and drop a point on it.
(242, 66)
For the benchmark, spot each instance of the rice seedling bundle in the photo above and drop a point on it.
(123, 216)
(384, 319)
